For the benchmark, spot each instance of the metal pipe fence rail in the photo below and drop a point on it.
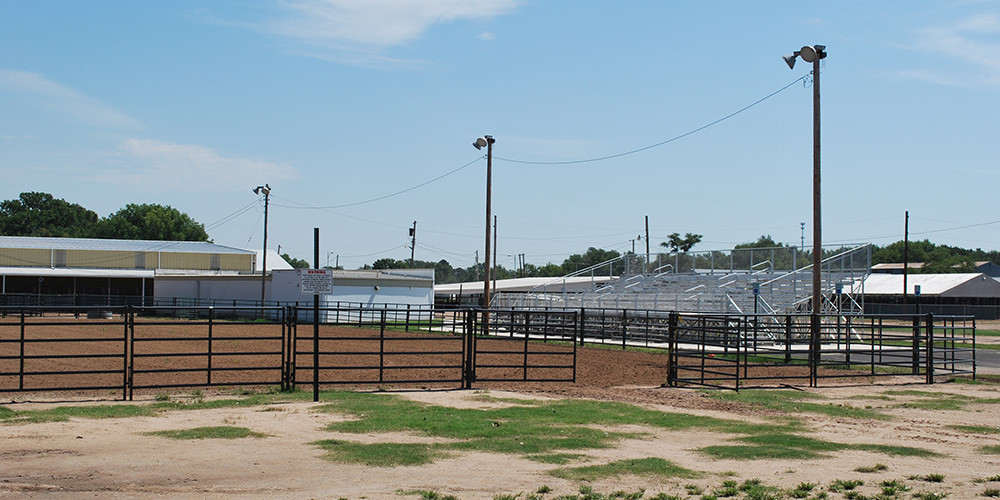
(730, 352)
(517, 347)
(29, 362)
(379, 351)
(211, 349)
(128, 348)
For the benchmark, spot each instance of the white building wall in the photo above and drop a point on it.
(202, 287)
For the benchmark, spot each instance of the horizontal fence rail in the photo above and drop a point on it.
(159, 346)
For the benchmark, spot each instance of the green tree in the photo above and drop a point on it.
(591, 257)
(41, 214)
(295, 263)
(151, 222)
(678, 244)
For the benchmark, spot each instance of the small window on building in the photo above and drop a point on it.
(59, 258)
(140, 260)
(216, 262)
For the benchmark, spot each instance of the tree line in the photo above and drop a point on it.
(41, 214)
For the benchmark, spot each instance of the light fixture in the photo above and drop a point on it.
(266, 190)
(487, 142)
(813, 54)
(809, 54)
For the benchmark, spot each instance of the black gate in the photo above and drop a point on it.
(523, 345)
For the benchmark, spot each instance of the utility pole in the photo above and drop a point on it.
(413, 241)
(266, 189)
(494, 252)
(476, 267)
(646, 263)
(906, 251)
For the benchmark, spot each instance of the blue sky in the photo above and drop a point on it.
(336, 103)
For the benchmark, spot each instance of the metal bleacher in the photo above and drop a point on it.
(758, 286)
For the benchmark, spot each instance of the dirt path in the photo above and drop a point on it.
(111, 459)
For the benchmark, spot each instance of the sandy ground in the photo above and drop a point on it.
(113, 459)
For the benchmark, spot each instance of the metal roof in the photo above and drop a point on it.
(32, 242)
(945, 285)
(63, 272)
(539, 285)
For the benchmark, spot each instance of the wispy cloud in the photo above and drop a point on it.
(355, 31)
(971, 43)
(150, 163)
(60, 99)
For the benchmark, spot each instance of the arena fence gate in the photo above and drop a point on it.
(123, 349)
(732, 351)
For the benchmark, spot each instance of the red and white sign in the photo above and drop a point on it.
(316, 281)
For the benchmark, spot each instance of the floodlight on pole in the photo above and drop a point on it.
(266, 189)
(814, 54)
(487, 142)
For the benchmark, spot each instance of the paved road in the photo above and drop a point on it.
(988, 361)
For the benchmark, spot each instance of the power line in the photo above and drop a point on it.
(380, 198)
(241, 211)
(661, 143)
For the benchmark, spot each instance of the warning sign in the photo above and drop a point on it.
(316, 281)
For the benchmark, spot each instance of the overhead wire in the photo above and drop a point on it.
(246, 208)
(661, 143)
(380, 198)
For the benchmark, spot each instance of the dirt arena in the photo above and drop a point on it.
(116, 459)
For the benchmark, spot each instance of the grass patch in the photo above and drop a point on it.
(790, 446)
(989, 449)
(556, 458)
(427, 495)
(223, 432)
(381, 454)
(638, 467)
(976, 429)
(64, 413)
(868, 469)
(895, 451)
(796, 402)
(538, 428)
(940, 401)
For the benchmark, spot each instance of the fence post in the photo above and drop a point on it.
(930, 347)
(128, 318)
(624, 327)
(131, 353)
(20, 383)
(583, 319)
(814, 327)
(407, 327)
(527, 331)
(381, 343)
(788, 339)
(672, 350)
(915, 350)
(469, 348)
(211, 318)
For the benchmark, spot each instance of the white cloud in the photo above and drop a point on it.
(972, 43)
(365, 28)
(63, 100)
(157, 164)
(487, 36)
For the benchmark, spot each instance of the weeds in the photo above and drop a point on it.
(840, 485)
(879, 467)
(929, 478)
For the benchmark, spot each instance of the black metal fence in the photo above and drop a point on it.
(734, 351)
(159, 346)
(130, 348)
